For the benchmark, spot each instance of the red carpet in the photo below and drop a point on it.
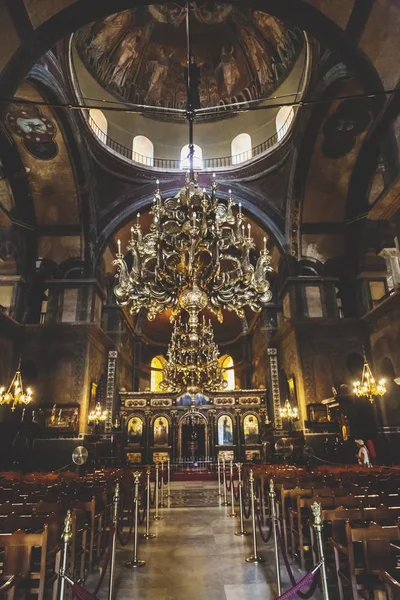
(194, 476)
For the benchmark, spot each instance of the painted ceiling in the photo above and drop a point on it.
(140, 55)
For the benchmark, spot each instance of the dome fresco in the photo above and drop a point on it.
(140, 55)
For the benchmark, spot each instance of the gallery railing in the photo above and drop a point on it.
(206, 163)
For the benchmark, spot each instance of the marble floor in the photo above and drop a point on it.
(196, 556)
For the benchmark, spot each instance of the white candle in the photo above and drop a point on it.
(265, 243)
(138, 219)
(132, 234)
(240, 208)
(248, 230)
(119, 246)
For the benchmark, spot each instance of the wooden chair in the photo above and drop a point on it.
(392, 586)
(365, 554)
(35, 557)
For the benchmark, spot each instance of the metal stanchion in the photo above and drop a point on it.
(219, 477)
(114, 541)
(274, 518)
(169, 478)
(147, 535)
(232, 513)
(242, 532)
(225, 502)
(316, 510)
(66, 538)
(162, 485)
(253, 558)
(157, 516)
(135, 562)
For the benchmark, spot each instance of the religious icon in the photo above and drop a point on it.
(251, 431)
(135, 430)
(225, 431)
(161, 431)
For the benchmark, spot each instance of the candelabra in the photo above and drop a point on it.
(368, 386)
(15, 393)
(192, 363)
(195, 242)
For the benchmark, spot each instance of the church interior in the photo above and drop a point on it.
(200, 300)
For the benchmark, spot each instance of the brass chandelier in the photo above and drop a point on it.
(15, 393)
(192, 363)
(195, 241)
(368, 386)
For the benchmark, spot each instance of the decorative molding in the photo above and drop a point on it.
(250, 401)
(276, 395)
(161, 402)
(224, 401)
(135, 403)
(110, 389)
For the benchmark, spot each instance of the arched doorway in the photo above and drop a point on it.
(193, 436)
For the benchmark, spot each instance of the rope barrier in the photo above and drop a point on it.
(302, 595)
(124, 540)
(265, 538)
(247, 512)
(106, 560)
(236, 492)
(307, 579)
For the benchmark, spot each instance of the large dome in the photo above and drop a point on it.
(139, 55)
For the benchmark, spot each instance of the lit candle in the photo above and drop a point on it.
(265, 243)
(248, 230)
(119, 246)
(242, 230)
(131, 234)
(194, 218)
(240, 208)
(138, 219)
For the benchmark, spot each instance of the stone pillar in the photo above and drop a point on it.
(147, 441)
(275, 389)
(174, 434)
(137, 359)
(238, 413)
(211, 424)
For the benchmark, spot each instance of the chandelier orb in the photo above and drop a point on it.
(197, 254)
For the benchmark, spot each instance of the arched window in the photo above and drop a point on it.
(143, 150)
(197, 158)
(228, 371)
(241, 148)
(283, 120)
(98, 123)
(156, 373)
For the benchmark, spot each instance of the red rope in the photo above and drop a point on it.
(308, 578)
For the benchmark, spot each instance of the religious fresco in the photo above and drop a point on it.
(139, 55)
(36, 131)
(225, 430)
(161, 431)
